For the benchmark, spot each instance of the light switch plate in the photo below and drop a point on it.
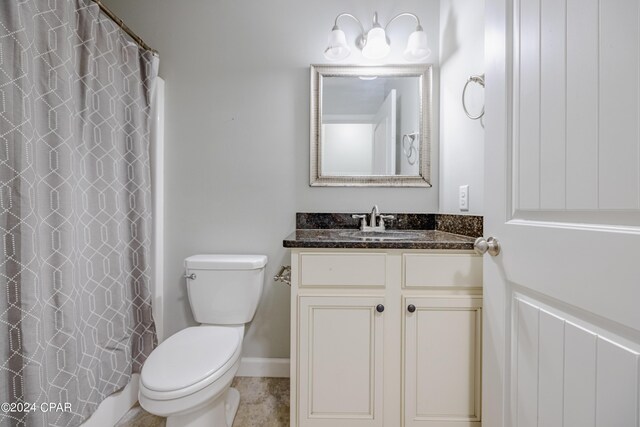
(463, 199)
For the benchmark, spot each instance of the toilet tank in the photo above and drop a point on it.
(224, 289)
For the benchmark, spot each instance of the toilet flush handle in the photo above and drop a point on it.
(191, 276)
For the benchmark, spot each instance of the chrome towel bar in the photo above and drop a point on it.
(284, 275)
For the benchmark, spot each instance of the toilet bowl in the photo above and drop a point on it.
(188, 377)
(192, 371)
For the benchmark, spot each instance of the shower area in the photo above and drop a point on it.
(80, 212)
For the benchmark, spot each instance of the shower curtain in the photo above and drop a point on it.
(75, 210)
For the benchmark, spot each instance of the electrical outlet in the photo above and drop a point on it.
(463, 199)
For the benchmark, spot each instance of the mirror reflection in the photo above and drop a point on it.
(370, 126)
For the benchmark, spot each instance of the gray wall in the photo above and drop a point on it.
(461, 139)
(237, 133)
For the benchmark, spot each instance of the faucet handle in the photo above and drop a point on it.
(387, 217)
(362, 218)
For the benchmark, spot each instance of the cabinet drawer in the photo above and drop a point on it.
(343, 269)
(438, 270)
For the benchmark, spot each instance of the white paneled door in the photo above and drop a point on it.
(561, 325)
(384, 137)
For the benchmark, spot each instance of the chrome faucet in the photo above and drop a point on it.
(373, 225)
(373, 217)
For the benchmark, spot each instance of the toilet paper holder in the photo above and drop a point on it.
(284, 275)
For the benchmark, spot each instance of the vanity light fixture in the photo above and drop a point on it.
(375, 43)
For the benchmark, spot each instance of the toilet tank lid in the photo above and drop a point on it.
(225, 262)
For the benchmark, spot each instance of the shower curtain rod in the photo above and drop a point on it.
(124, 27)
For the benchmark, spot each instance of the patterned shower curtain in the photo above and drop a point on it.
(75, 210)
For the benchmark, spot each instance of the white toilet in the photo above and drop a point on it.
(187, 378)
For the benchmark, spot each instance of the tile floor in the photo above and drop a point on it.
(264, 402)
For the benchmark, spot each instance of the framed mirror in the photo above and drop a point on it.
(370, 126)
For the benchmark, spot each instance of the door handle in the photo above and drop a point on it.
(490, 245)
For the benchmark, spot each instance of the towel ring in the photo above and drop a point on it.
(410, 150)
(480, 81)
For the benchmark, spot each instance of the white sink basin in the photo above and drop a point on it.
(381, 235)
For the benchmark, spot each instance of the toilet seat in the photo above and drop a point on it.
(190, 360)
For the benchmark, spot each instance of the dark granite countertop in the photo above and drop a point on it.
(335, 238)
(429, 231)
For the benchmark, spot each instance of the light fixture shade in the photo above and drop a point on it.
(417, 47)
(337, 48)
(376, 46)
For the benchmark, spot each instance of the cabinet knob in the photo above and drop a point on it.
(380, 308)
(411, 308)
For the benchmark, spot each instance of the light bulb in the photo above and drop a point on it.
(417, 47)
(337, 48)
(376, 46)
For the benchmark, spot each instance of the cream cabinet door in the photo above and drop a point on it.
(442, 351)
(340, 361)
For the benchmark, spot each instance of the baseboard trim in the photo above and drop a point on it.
(263, 367)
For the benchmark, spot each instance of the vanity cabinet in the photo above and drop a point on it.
(385, 338)
(342, 360)
(442, 355)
